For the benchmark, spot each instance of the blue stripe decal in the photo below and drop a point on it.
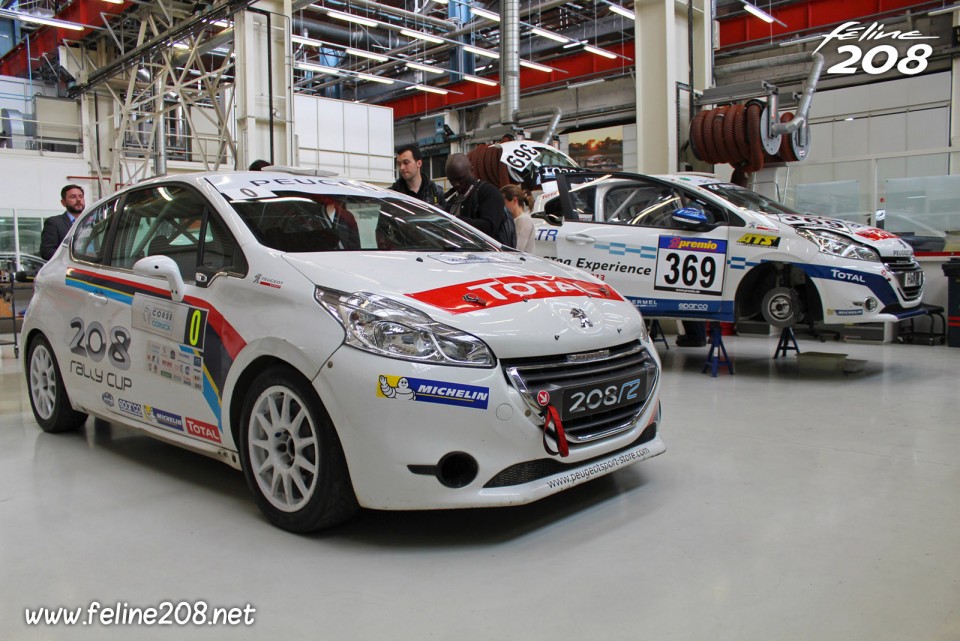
(113, 294)
(622, 249)
(876, 283)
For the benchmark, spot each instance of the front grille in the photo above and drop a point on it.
(527, 471)
(556, 374)
(900, 268)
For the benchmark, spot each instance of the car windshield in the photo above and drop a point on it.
(308, 222)
(746, 199)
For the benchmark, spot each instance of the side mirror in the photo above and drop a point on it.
(552, 219)
(162, 267)
(690, 218)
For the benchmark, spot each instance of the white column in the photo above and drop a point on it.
(264, 84)
(656, 65)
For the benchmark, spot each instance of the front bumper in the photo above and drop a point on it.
(396, 442)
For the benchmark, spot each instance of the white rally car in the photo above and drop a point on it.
(342, 344)
(691, 246)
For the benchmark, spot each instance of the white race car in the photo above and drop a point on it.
(342, 344)
(690, 246)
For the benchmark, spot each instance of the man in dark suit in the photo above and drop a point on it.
(55, 228)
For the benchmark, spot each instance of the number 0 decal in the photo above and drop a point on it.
(691, 265)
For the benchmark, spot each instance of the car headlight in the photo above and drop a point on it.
(386, 327)
(838, 245)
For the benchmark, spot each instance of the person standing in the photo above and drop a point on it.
(517, 203)
(412, 182)
(55, 228)
(478, 203)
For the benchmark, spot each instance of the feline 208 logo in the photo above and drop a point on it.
(880, 58)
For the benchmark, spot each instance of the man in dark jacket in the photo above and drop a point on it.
(478, 203)
(55, 228)
(412, 182)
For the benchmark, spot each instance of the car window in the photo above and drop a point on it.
(307, 222)
(651, 204)
(742, 197)
(173, 221)
(90, 237)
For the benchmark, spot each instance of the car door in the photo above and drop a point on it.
(624, 229)
(97, 363)
(176, 371)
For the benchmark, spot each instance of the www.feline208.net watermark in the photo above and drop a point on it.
(880, 58)
(178, 613)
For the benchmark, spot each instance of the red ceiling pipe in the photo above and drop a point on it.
(577, 66)
(45, 40)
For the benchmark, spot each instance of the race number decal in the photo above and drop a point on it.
(690, 265)
(521, 156)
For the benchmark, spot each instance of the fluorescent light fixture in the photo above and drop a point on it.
(483, 13)
(215, 23)
(49, 22)
(942, 10)
(182, 46)
(440, 1)
(600, 52)
(536, 65)
(349, 17)
(113, 1)
(481, 52)
(480, 81)
(430, 89)
(421, 36)
(575, 43)
(760, 13)
(422, 67)
(309, 66)
(586, 83)
(373, 78)
(626, 13)
(543, 33)
(306, 41)
(366, 54)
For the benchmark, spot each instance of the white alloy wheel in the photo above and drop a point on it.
(43, 382)
(284, 449)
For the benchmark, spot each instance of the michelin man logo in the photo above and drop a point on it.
(401, 391)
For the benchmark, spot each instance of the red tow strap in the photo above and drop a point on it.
(553, 416)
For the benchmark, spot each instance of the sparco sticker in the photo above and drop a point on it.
(486, 294)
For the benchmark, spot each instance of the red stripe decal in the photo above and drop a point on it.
(494, 292)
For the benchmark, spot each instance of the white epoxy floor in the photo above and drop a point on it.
(790, 506)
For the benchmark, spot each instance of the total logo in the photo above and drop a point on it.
(848, 276)
(206, 431)
(508, 290)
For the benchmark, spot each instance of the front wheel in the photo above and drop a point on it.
(292, 458)
(780, 307)
(48, 396)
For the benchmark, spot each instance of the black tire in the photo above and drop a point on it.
(48, 396)
(780, 307)
(291, 456)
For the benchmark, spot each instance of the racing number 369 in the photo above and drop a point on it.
(693, 268)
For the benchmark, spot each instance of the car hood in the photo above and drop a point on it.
(520, 305)
(886, 244)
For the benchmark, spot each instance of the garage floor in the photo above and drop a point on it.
(791, 505)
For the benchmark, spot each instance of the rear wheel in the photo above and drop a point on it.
(780, 307)
(292, 458)
(48, 396)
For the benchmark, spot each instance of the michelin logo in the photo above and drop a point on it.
(430, 391)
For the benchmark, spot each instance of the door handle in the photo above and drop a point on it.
(99, 299)
(581, 238)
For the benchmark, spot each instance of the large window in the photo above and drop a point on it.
(305, 222)
(176, 222)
